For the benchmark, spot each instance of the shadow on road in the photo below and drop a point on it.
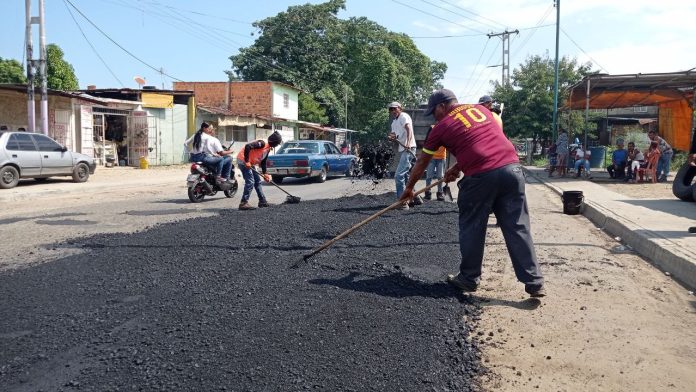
(396, 285)
(526, 304)
(19, 219)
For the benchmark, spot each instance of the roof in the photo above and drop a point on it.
(616, 91)
(22, 88)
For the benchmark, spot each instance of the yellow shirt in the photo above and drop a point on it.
(441, 153)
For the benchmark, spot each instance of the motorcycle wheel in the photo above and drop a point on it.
(232, 191)
(195, 194)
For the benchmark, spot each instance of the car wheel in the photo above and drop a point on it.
(232, 191)
(277, 179)
(682, 184)
(322, 175)
(80, 173)
(9, 177)
(351, 169)
(195, 194)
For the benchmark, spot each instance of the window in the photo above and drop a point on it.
(46, 144)
(239, 135)
(286, 100)
(298, 148)
(640, 109)
(334, 149)
(21, 142)
(327, 149)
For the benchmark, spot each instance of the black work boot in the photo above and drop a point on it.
(428, 196)
(263, 204)
(440, 196)
(245, 206)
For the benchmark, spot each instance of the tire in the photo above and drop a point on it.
(351, 169)
(277, 179)
(80, 173)
(9, 177)
(233, 191)
(682, 186)
(196, 194)
(322, 175)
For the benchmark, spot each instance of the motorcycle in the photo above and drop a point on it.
(201, 183)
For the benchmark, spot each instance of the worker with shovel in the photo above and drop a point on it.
(402, 133)
(255, 153)
(493, 180)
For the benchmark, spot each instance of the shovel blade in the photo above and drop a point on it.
(448, 193)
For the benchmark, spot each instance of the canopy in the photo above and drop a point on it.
(672, 92)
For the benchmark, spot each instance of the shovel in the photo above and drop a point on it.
(290, 199)
(405, 148)
(448, 193)
(358, 225)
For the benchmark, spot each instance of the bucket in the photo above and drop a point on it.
(572, 201)
(143, 163)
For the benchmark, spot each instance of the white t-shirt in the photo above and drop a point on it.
(398, 126)
(580, 154)
(211, 145)
(204, 142)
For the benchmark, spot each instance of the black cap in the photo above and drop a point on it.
(485, 98)
(438, 97)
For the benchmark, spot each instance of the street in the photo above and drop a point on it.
(133, 287)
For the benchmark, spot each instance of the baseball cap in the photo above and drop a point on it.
(394, 105)
(438, 97)
(485, 98)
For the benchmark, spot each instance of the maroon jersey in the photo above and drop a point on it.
(472, 135)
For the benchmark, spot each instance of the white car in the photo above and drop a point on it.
(33, 155)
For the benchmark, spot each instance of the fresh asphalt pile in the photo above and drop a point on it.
(211, 304)
(375, 160)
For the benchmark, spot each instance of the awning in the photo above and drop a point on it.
(672, 92)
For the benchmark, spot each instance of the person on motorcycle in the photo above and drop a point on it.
(255, 153)
(208, 149)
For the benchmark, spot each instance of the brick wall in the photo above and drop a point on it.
(251, 97)
(207, 93)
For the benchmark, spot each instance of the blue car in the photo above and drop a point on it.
(316, 159)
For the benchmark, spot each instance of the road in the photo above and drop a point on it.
(87, 307)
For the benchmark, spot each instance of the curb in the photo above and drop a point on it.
(659, 250)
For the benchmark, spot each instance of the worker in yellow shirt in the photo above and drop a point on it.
(435, 171)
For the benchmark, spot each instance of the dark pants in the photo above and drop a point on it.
(617, 171)
(501, 191)
(252, 180)
(221, 165)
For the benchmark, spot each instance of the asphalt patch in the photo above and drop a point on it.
(211, 304)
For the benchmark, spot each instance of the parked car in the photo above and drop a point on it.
(33, 155)
(317, 159)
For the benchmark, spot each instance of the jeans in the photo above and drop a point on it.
(401, 174)
(502, 191)
(617, 171)
(252, 180)
(585, 163)
(221, 165)
(196, 157)
(663, 164)
(434, 171)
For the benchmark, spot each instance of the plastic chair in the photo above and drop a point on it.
(650, 170)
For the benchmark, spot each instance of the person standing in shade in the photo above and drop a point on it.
(255, 153)
(402, 131)
(493, 181)
(666, 154)
(562, 151)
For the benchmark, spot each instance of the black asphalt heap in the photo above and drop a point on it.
(375, 160)
(210, 304)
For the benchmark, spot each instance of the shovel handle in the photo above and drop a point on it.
(405, 148)
(366, 221)
(276, 185)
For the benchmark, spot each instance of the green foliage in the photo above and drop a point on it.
(529, 97)
(311, 111)
(354, 60)
(376, 126)
(11, 71)
(61, 75)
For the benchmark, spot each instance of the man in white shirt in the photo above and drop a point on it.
(582, 157)
(402, 131)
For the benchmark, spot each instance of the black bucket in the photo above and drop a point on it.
(572, 201)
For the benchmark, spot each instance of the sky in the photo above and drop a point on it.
(193, 40)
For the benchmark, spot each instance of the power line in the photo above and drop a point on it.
(456, 13)
(92, 46)
(538, 25)
(436, 16)
(478, 84)
(582, 50)
(473, 13)
(476, 65)
(116, 43)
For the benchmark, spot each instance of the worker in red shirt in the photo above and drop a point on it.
(255, 153)
(493, 181)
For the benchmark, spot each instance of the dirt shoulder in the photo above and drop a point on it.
(611, 322)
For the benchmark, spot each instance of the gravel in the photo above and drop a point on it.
(211, 304)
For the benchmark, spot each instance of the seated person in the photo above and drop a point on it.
(635, 159)
(649, 153)
(618, 161)
(582, 157)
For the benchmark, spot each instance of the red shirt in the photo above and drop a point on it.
(472, 135)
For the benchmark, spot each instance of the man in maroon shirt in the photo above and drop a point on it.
(493, 181)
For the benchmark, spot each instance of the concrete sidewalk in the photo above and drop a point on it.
(656, 228)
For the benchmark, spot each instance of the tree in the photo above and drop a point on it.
(11, 71)
(529, 97)
(61, 75)
(311, 110)
(354, 61)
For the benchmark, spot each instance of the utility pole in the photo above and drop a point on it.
(31, 68)
(554, 129)
(505, 36)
